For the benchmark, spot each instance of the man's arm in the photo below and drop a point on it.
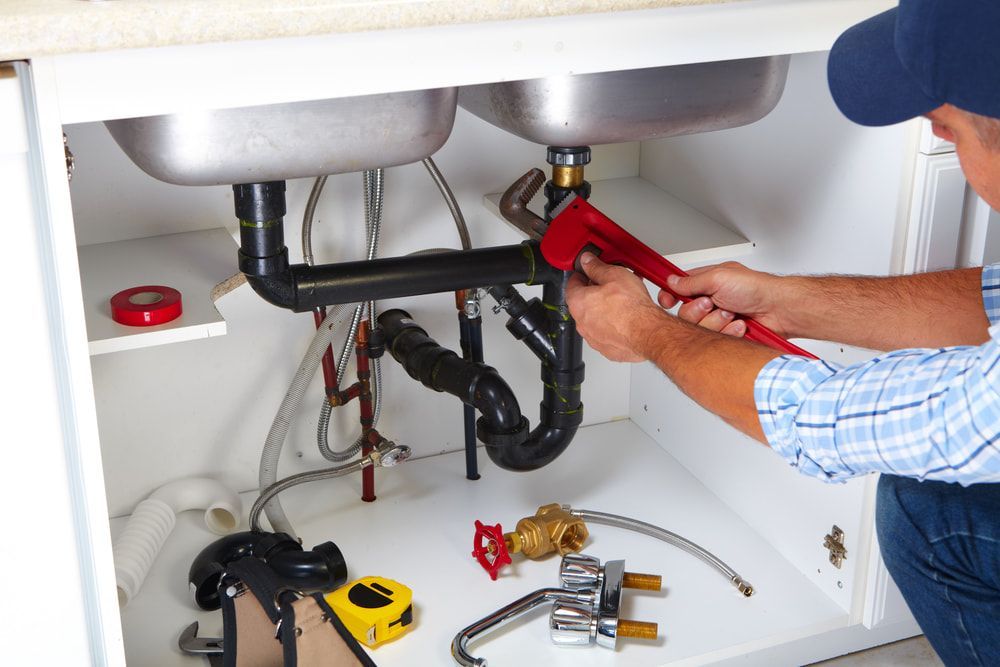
(924, 413)
(924, 310)
(618, 319)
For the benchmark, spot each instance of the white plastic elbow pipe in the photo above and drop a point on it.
(153, 519)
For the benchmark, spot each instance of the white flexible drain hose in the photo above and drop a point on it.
(154, 518)
(268, 474)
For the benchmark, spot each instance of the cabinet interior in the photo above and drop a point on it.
(806, 200)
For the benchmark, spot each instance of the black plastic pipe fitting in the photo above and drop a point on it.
(528, 321)
(440, 369)
(321, 569)
(545, 327)
(561, 409)
(263, 257)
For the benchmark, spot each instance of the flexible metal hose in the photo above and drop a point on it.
(376, 193)
(373, 193)
(307, 219)
(326, 409)
(301, 478)
(268, 473)
(449, 198)
(387, 454)
(676, 540)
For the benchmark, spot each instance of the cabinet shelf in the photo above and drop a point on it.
(191, 262)
(419, 532)
(657, 218)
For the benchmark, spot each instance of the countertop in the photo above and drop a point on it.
(31, 28)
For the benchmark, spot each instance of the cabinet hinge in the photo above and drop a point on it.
(835, 543)
(70, 158)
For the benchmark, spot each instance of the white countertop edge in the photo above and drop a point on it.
(33, 28)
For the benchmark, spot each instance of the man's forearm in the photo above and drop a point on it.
(925, 310)
(716, 371)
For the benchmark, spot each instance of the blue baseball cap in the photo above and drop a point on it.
(912, 59)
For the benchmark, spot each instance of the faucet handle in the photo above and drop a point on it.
(580, 571)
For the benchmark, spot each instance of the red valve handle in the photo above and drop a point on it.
(490, 549)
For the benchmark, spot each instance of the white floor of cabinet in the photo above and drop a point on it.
(419, 532)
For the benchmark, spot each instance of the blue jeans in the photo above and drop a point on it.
(941, 544)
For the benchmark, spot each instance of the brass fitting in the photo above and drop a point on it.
(637, 629)
(551, 529)
(643, 582)
(567, 176)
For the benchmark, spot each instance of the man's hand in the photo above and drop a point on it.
(613, 310)
(720, 291)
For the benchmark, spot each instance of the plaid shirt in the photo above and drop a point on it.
(923, 413)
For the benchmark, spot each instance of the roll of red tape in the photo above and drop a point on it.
(146, 305)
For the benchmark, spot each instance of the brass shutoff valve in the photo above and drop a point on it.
(551, 529)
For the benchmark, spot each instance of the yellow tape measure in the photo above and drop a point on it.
(374, 609)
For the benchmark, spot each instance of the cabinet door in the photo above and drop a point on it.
(55, 485)
(933, 236)
(935, 221)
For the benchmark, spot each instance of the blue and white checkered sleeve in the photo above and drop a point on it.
(928, 414)
(991, 292)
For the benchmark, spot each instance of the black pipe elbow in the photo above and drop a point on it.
(543, 445)
(277, 290)
(320, 569)
(562, 378)
(495, 400)
(323, 568)
(440, 369)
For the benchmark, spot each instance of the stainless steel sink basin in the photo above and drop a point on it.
(282, 141)
(634, 105)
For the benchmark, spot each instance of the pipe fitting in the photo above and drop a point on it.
(440, 369)
(551, 529)
(153, 520)
(323, 568)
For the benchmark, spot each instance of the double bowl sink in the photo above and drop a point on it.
(301, 139)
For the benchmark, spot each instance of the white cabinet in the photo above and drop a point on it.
(806, 189)
(935, 223)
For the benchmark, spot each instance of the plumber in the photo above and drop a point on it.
(926, 412)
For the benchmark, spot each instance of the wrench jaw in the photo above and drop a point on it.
(189, 642)
(514, 204)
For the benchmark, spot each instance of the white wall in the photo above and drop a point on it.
(204, 407)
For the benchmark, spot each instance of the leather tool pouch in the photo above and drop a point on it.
(266, 624)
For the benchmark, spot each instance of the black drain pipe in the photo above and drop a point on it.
(263, 257)
(440, 369)
(547, 329)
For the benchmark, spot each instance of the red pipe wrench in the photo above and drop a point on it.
(577, 227)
